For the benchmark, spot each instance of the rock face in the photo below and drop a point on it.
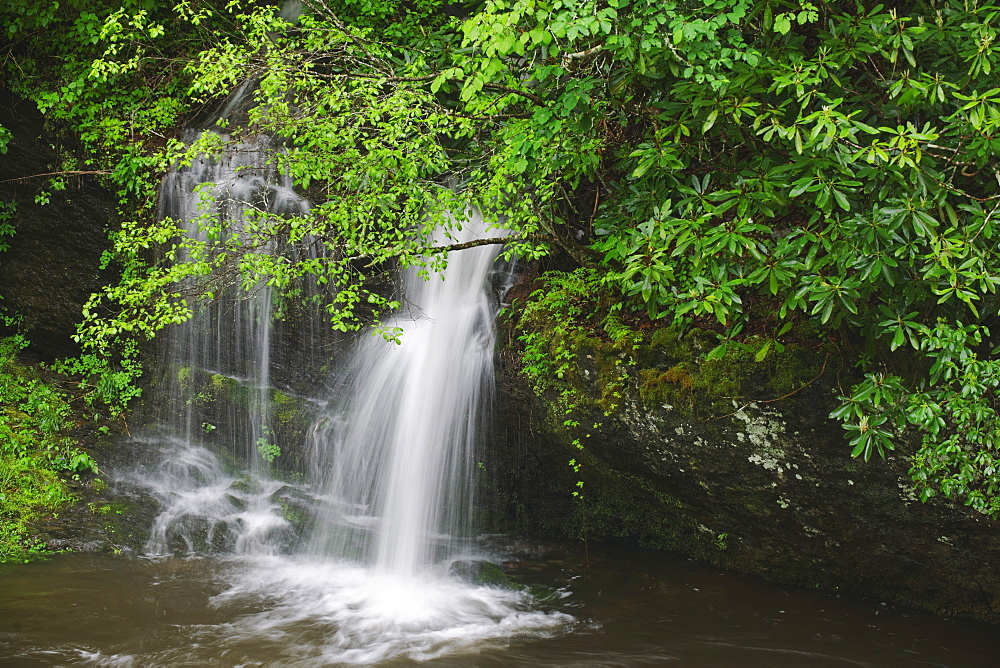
(761, 486)
(52, 265)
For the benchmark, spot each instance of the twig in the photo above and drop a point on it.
(534, 98)
(771, 401)
(548, 238)
(67, 173)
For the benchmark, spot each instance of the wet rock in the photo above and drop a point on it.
(483, 573)
(104, 519)
(247, 487)
(297, 507)
(237, 502)
(762, 487)
(53, 263)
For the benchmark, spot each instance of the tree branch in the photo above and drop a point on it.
(534, 98)
(67, 173)
(489, 241)
(583, 54)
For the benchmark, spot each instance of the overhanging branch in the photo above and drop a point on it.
(67, 173)
(528, 238)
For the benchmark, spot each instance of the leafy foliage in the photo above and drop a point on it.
(831, 164)
(739, 164)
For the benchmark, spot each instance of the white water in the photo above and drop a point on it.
(395, 451)
(391, 460)
(228, 344)
(323, 613)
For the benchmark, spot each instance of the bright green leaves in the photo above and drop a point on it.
(831, 297)
(980, 49)
(646, 256)
(661, 155)
(740, 164)
(901, 328)
(869, 415)
(807, 13)
(845, 179)
(686, 267)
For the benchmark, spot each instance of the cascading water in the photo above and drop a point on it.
(390, 455)
(391, 461)
(394, 454)
(230, 342)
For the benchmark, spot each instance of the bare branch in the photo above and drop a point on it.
(67, 173)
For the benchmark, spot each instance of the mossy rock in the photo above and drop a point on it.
(731, 460)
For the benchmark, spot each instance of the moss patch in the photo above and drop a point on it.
(578, 352)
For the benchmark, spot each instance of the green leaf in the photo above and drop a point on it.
(710, 121)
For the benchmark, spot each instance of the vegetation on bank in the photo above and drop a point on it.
(37, 455)
(752, 168)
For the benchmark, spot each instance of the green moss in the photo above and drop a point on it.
(491, 575)
(726, 376)
(279, 398)
(293, 513)
(246, 485)
(224, 386)
(664, 337)
(672, 344)
(288, 408)
(790, 369)
(677, 386)
(680, 374)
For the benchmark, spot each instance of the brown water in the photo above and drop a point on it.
(611, 607)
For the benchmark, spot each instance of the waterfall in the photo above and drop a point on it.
(229, 341)
(394, 454)
(231, 336)
(390, 450)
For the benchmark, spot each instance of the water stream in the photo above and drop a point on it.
(394, 452)
(229, 340)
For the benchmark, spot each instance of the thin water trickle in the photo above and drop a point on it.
(229, 343)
